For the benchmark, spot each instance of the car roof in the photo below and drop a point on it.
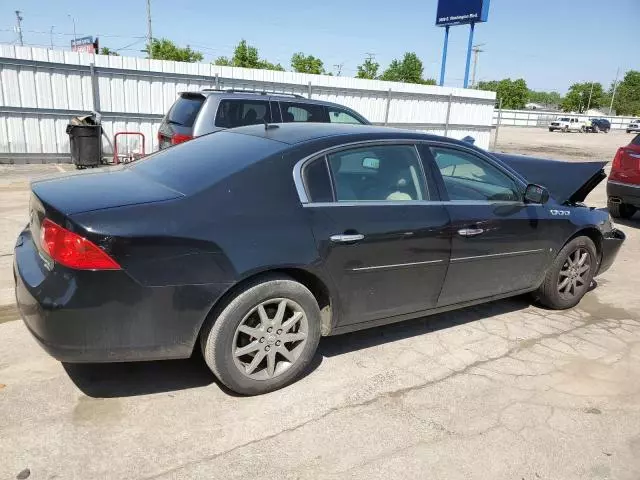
(299, 132)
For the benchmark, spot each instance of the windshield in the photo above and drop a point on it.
(564, 119)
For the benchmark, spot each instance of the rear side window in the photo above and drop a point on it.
(237, 113)
(185, 110)
(317, 181)
(303, 112)
(636, 140)
(337, 115)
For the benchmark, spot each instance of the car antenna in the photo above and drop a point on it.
(269, 126)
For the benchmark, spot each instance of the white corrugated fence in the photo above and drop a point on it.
(41, 89)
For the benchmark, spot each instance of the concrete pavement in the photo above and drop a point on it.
(500, 391)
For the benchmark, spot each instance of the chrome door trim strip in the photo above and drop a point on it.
(395, 265)
(505, 254)
(624, 184)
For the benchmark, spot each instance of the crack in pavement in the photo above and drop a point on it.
(590, 319)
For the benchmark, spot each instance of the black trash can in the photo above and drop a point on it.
(85, 142)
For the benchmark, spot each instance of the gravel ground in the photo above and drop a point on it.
(540, 142)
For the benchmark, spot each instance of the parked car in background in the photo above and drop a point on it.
(623, 186)
(566, 124)
(596, 125)
(197, 113)
(634, 126)
(258, 240)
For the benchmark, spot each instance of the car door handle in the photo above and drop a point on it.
(470, 232)
(346, 238)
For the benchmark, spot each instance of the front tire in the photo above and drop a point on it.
(551, 129)
(621, 210)
(264, 337)
(565, 129)
(570, 275)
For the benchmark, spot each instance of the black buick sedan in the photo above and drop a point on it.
(252, 243)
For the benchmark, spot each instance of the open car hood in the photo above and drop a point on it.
(566, 181)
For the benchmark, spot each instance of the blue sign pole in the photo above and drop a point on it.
(469, 47)
(444, 55)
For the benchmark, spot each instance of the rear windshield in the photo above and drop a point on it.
(185, 110)
(197, 164)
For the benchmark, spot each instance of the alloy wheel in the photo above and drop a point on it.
(270, 338)
(574, 273)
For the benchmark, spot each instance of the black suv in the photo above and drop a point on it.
(197, 113)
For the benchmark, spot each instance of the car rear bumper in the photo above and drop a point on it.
(611, 243)
(86, 316)
(627, 193)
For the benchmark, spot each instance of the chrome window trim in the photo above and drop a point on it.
(622, 184)
(399, 203)
(304, 198)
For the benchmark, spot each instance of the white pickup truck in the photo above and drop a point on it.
(566, 124)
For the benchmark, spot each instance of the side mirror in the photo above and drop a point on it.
(536, 194)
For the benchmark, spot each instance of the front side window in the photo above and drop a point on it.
(237, 113)
(380, 172)
(302, 112)
(337, 115)
(468, 177)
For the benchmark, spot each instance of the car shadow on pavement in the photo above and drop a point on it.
(109, 380)
(350, 342)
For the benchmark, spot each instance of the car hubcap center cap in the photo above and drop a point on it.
(271, 338)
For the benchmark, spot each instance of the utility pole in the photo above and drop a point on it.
(590, 94)
(338, 66)
(75, 37)
(51, 37)
(476, 51)
(615, 85)
(19, 27)
(149, 34)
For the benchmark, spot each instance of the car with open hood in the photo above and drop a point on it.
(271, 236)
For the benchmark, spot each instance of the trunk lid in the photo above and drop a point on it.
(116, 187)
(566, 181)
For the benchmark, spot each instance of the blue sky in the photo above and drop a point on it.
(549, 43)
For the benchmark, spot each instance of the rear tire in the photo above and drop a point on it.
(596, 129)
(251, 322)
(621, 210)
(570, 275)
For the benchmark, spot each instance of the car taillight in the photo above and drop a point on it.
(72, 250)
(177, 138)
(617, 160)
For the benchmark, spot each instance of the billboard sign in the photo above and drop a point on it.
(83, 45)
(460, 12)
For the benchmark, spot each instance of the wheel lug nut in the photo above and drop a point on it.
(278, 343)
(269, 330)
(262, 340)
(279, 332)
(267, 348)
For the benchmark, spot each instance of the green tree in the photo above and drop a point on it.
(246, 56)
(368, 70)
(163, 49)
(302, 63)
(408, 70)
(548, 99)
(513, 93)
(577, 98)
(627, 100)
(108, 51)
